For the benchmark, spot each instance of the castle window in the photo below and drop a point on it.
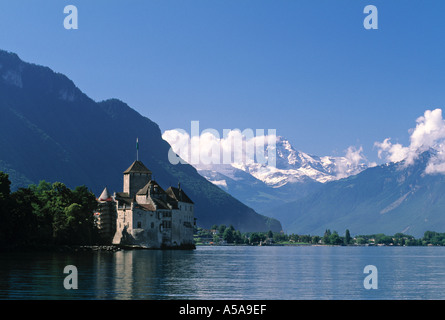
(152, 225)
(139, 224)
(167, 214)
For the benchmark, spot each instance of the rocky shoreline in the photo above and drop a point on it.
(84, 248)
(107, 248)
(59, 248)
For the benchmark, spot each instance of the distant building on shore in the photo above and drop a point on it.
(145, 214)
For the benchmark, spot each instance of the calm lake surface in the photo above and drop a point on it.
(256, 273)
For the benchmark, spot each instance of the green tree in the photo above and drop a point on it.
(46, 214)
(279, 237)
(77, 227)
(429, 235)
(315, 239)
(335, 239)
(412, 242)
(327, 237)
(228, 235)
(5, 185)
(254, 238)
(86, 199)
(5, 214)
(221, 228)
(238, 237)
(24, 223)
(384, 239)
(305, 238)
(347, 237)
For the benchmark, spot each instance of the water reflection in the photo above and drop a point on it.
(151, 274)
(261, 273)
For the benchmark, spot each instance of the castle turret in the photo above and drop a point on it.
(106, 216)
(104, 196)
(135, 178)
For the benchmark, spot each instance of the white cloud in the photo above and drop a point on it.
(392, 152)
(352, 163)
(429, 133)
(436, 164)
(235, 147)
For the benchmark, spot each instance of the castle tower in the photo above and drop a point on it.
(106, 216)
(135, 178)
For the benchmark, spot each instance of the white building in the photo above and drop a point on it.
(149, 216)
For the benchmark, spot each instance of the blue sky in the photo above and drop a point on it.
(305, 68)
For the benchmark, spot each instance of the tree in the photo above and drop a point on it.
(384, 239)
(335, 239)
(305, 238)
(86, 199)
(78, 227)
(73, 220)
(47, 214)
(411, 242)
(254, 238)
(237, 237)
(5, 215)
(24, 223)
(347, 237)
(5, 185)
(221, 228)
(228, 235)
(278, 237)
(327, 236)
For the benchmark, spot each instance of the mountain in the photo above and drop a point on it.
(294, 166)
(253, 192)
(50, 130)
(296, 174)
(389, 198)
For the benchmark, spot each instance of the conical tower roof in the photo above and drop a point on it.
(105, 195)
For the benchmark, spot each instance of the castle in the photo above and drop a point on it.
(145, 215)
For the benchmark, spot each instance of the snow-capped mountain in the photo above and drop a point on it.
(292, 166)
(296, 173)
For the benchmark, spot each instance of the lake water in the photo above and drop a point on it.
(253, 273)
